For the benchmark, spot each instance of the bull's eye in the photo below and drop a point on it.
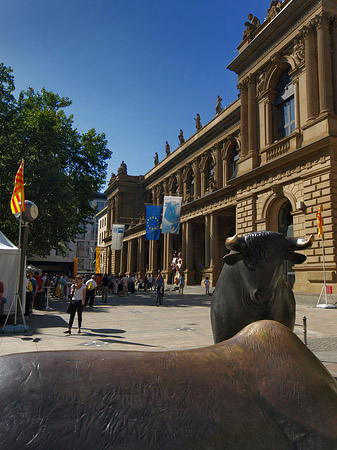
(251, 264)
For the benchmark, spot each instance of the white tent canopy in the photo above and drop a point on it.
(9, 264)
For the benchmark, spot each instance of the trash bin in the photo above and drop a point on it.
(39, 300)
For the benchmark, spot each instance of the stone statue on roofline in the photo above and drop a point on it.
(251, 26)
(167, 148)
(198, 125)
(122, 170)
(218, 107)
(181, 137)
(156, 159)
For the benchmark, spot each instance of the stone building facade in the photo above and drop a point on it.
(266, 162)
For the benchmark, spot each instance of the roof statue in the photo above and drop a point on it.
(198, 125)
(122, 169)
(181, 137)
(156, 159)
(275, 8)
(218, 107)
(251, 26)
(167, 148)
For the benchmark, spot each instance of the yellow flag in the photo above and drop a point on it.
(319, 222)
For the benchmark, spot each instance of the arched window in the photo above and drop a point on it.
(233, 163)
(285, 105)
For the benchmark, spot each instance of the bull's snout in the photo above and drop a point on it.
(261, 297)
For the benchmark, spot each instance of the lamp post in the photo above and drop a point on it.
(28, 216)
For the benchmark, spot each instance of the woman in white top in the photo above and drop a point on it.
(77, 301)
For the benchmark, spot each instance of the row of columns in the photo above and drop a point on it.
(132, 256)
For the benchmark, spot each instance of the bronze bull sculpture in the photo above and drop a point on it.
(251, 285)
(261, 390)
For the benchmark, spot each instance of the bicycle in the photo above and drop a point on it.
(160, 296)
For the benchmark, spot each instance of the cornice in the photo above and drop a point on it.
(273, 34)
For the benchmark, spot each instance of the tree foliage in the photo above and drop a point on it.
(63, 169)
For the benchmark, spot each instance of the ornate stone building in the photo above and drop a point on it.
(266, 162)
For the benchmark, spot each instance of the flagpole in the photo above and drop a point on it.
(324, 277)
(320, 233)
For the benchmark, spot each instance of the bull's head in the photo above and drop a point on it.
(262, 254)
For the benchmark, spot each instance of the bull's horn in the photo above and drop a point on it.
(300, 244)
(231, 242)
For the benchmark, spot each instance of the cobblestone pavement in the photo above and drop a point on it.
(135, 323)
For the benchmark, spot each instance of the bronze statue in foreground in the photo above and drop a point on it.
(261, 390)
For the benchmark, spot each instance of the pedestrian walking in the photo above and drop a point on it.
(77, 301)
(206, 282)
(105, 288)
(90, 295)
(181, 283)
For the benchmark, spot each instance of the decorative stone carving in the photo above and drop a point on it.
(260, 82)
(211, 185)
(156, 159)
(218, 107)
(203, 166)
(181, 137)
(251, 26)
(172, 184)
(112, 178)
(275, 8)
(186, 173)
(122, 170)
(167, 148)
(298, 52)
(187, 197)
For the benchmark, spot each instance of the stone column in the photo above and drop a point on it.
(153, 257)
(311, 72)
(252, 117)
(297, 104)
(334, 61)
(141, 255)
(123, 261)
(189, 254)
(214, 244)
(154, 196)
(129, 258)
(269, 122)
(207, 240)
(216, 153)
(324, 64)
(196, 173)
(180, 182)
(244, 118)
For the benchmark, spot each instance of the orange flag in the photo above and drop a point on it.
(18, 196)
(319, 222)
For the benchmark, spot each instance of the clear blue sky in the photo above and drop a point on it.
(138, 70)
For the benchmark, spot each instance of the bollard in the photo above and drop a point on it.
(305, 330)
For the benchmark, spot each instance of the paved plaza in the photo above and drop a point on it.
(135, 323)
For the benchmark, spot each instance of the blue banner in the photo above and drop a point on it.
(153, 220)
(171, 214)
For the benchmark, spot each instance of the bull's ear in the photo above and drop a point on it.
(296, 258)
(232, 258)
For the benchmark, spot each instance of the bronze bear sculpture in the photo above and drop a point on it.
(261, 390)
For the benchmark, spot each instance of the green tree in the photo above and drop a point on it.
(63, 169)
